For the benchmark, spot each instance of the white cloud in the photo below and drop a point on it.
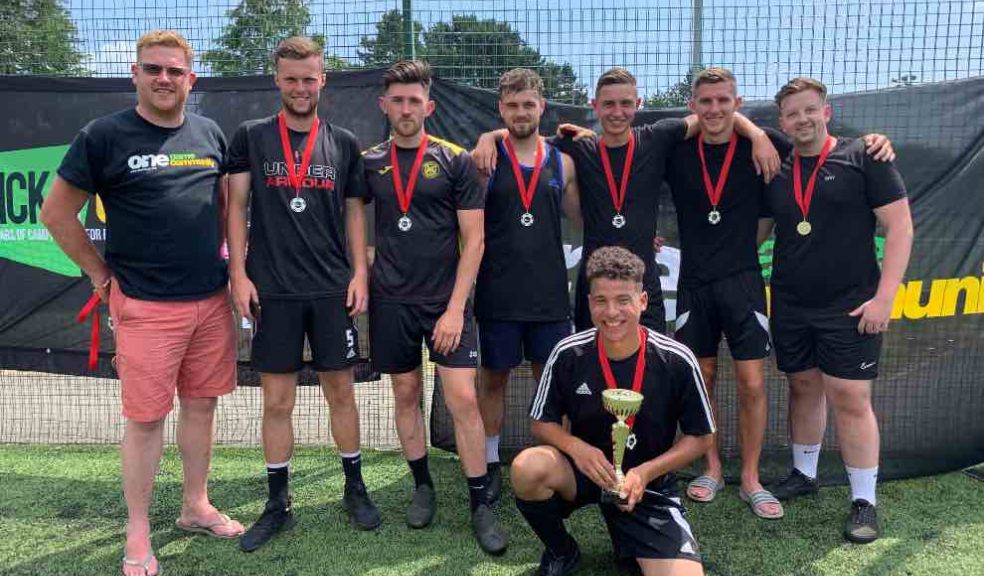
(112, 58)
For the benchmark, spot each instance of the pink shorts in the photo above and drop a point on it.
(168, 347)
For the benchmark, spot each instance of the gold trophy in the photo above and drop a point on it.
(621, 403)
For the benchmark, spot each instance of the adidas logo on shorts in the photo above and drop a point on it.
(583, 389)
(351, 354)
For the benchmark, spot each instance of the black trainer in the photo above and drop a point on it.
(423, 506)
(276, 518)
(494, 470)
(796, 484)
(551, 565)
(362, 512)
(862, 526)
(486, 528)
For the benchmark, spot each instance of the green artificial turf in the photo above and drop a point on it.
(61, 512)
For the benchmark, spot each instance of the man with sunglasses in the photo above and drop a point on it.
(159, 172)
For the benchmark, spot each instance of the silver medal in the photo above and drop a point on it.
(526, 219)
(618, 221)
(713, 216)
(298, 205)
(404, 223)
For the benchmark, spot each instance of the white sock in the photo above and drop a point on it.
(492, 449)
(805, 458)
(863, 481)
(276, 465)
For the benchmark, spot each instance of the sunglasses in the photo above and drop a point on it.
(173, 72)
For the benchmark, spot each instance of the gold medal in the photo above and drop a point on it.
(804, 228)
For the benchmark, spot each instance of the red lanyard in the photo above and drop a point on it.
(526, 192)
(91, 308)
(803, 200)
(617, 194)
(404, 197)
(640, 367)
(714, 191)
(292, 174)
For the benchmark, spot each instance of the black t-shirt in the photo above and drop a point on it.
(654, 142)
(298, 254)
(711, 252)
(672, 387)
(835, 265)
(160, 187)
(523, 276)
(420, 265)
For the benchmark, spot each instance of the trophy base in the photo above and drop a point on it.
(613, 497)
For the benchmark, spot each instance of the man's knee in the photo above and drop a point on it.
(532, 469)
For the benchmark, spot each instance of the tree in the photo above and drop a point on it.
(471, 51)
(387, 46)
(254, 30)
(39, 37)
(677, 95)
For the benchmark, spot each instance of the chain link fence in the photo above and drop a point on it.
(849, 45)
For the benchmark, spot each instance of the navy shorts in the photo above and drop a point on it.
(824, 338)
(282, 325)
(733, 306)
(504, 344)
(396, 332)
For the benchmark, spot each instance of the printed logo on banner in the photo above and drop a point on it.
(26, 177)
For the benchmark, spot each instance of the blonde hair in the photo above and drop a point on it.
(167, 39)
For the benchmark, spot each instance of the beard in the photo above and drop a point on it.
(521, 132)
(407, 127)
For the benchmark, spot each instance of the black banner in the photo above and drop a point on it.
(929, 398)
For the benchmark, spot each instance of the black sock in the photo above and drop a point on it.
(421, 472)
(546, 518)
(352, 466)
(478, 490)
(277, 482)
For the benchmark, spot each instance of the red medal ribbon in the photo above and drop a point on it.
(91, 308)
(404, 197)
(640, 367)
(618, 195)
(804, 200)
(526, 192)
(292, 175)
(714, 191)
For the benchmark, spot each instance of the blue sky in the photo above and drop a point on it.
(850, 45)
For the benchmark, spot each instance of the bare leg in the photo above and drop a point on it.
(140, 455)
(195, 435)
(407, 388)
(469, 434)
(712, 458)
(340, 395)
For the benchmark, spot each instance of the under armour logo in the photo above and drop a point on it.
(583, 389)
(473, 354)
(866, 365)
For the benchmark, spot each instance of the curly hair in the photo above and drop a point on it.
(615, 263)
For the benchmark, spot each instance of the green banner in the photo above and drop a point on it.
(26, 177)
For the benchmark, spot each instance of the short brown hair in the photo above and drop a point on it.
(615, 263)
(518, 80)
(408, 72)
(298, 48)
(714, 75)
(801, 84)
(615, 76)
(167, 39)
